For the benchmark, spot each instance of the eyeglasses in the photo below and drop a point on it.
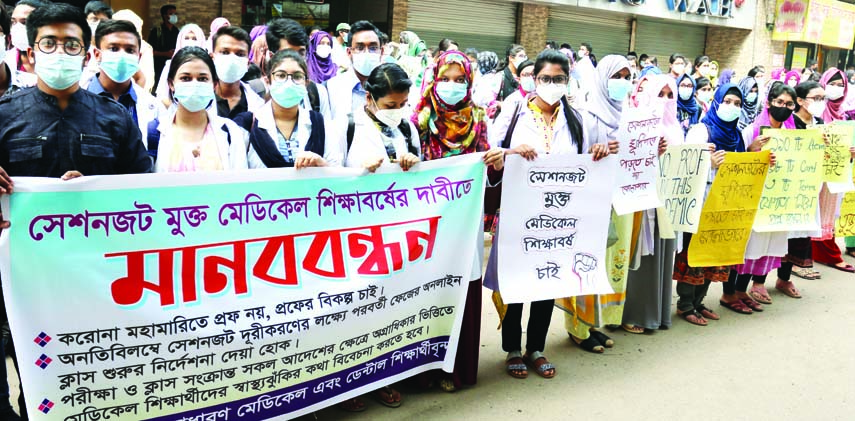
(686, 86)
(359, 48)
(558, 80)
(779, 103)
(297, 77)
(71, 47)
(818, 98)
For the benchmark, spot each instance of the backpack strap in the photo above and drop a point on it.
(153, 138)
(404, 127)
(351, 128)
(317, 138)
(506, 143)
(314, 96)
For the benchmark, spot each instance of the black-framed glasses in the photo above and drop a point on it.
(558, 80)
(282, 76)
(780, 103)
(71, 47)
(359, 48)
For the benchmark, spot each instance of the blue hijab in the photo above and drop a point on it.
(688, 107)
(725, 135)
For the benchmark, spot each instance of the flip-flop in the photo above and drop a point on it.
(807, 273)
(759, 297)
(633, 329)
(789, 292)
(847, 268)
(753, 305)
(378, 394)
(737, 306)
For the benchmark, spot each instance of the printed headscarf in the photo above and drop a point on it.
(487, 62)
(450, 129)
(834, 109)
(725, 135)
(749, 109)
(726, 76)
(320, 69)
(607, 110)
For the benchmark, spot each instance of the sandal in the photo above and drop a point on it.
(388, 396)
(807, 273)
(352, 405)
(845, 268)
(737, 306)
(516, 366)
(693, 317)
(544, 366)
(447, 385)
(789, 290)
(633, 329)
(602, 338)
(591, 344)
(707, 313)
(760, 295)
(753, 305)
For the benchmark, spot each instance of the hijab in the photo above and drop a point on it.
(834, 109)
(450, 129)
(600, 105)
(725, 77)
(636, 94)
(749, 109)
(415, 45)
(725, 135)
(258, 50)
(190, 28)
(487, 62)
(320, 69)
(216, 24)
(713, 77)
(792, 74)
(665, 107)
(690, 106)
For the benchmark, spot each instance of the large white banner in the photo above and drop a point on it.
(553, 227)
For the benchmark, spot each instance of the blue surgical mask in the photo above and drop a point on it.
(751, 97)
(728, 113)
(451, 92)
(619, 89)
(59, 70)
(194, 96)
(120, 67)
(287, 94)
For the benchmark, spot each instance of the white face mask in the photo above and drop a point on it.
(365, 62)
(59, 70)
(19, 37)
(323, 51)
(230, 68)
(93, 26)
(390, 117)
(685, 93)
(816, 108)
(833, 92)
(3, 47)
(550, 93)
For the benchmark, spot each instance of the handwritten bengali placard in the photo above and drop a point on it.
(790, 197)
(264, 294)
(845, 226)
(837, 165)
(638, 160)
(552, 236)
(729, 210)
(683, 174)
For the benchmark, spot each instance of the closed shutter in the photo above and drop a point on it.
(483, 24)
(661, 39)
(608, 33)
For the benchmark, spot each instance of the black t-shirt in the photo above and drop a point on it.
(802, 125)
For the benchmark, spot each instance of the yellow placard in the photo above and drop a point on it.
(799, 58)
(791, 191)
(729, 210)
(837, 165)
(845, 226)
(826, 22)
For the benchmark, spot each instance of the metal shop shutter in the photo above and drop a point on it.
(661, 39)
(608, 33)
(482, 24)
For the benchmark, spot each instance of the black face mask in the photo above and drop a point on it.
(780, 113)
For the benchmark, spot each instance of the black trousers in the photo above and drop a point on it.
(736, 282)
(540, 314)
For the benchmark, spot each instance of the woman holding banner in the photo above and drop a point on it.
(584, 314)
(825, 249)
(541, 124)
(450, 124)
(764, 250)
(718, 129)
(648, 288)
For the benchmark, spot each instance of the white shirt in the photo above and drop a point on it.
(369, 143)
(527, 132)
(232, 141)
(343, 98)
(334, 138)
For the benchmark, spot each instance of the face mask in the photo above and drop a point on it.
(751, 97)
(365, 63)
(678, 68)
(780, 113)
(451, 92)
(58, 70)
(728, 113)
(230, 68)
(323, 51)
(704, 71)
(19, 37)
(705, 96)
(816, 108)
(527, 84)
(3, 47)
(391, 118)
(550, 93)
(93, 26)
(173, 19)
(344, 37)
(685, 93)
(518, 61)
(287, 94)
(119, 67)
(833, 92)
(619, 89)
(194, 96)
